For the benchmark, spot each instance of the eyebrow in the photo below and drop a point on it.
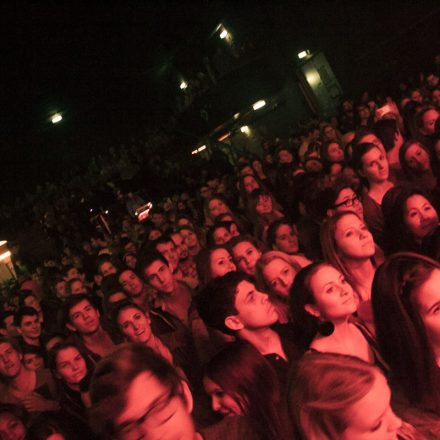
(143, 416)
(433, 306)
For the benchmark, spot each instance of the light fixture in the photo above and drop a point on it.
(237, 115)
(245, 129)
(303, 54)
(183, 85)
(224, 136)
(223, 34)
(259, 104)
(194, 152)
(203, 147)
(7, 271)
(56, 118)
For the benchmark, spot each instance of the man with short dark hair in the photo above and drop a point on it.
(28, 326)
(82, 318)
(233, 305)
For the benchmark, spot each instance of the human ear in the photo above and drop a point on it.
(233, 322)
(187, 396)
(312, 310)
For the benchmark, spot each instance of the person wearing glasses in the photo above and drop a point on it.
(349, 246)
(341, 197)
(136, 394)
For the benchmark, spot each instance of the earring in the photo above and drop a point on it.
(326, 328)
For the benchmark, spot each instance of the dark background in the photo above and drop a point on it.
(112, 68)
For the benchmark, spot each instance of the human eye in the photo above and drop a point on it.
(75, 316)
(78, 357)
(349, 233)
(413, 214)
(376, 427)
(249, 252)
(125, 325)
(137, 316)
(436, 309)
(88, 308)
(330, 289)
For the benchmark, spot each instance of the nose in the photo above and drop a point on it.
(215, 403)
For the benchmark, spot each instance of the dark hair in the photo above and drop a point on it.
(396, 233)
(241, 239)
(273, 229)
(106, 259)
(3, 315)
(22, 312)
(12, 341)
(110, 283)
(113, 376)
(409, 172)
(300, 295)
(217, 300)
(400, 331)
(217, 225)
(245, 374)
(147, 259)
(53, 353)
(23, 294)
(385, 130)
(203, 263)
(47, 424)
(17, 411)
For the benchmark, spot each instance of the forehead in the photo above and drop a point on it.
(27, 318)
(371, 154)
(275, 265)
(347, 221)
(415, 201)
(127, 274)
(177, 239)
(215, 202)
(66, 353)
(430, 114)
(283, 229)
(154, 267)
(323, 275)
(243, 288)
(80, 306)
(242, 247)
(127, 313)
(219, 253)
(346, 193)
(5, 346)
(168, 246)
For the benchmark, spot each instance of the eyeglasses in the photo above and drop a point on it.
(162, 410)
(348, 203)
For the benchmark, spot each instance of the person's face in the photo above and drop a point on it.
(284, 156)
(353, 239)
(154, 234)
(246, 170)
(135, 325)
(255, 311)
(375, 166)
(334, 297)
(246, 256)
(84, 318)
(335, 152)
(158, 219)
(417, 158)
(221, 263)
(205, 192)
(432, 80)
(221, 236)
(70, 366)
(32, 301)
(250, 184)
(372, 418)
(130, 261)
(364, 112)
(217, 207)
(32, 362)
(427, 300)
(189, 238)
(160, 277)
(257, 166)
(429, 119)
(30, 327)
(286, 239)
(221, 402)
(152, 412)
(420, 216)
(416, 96)
(77, 287)
(11, 427)
(72, 273)
(348, 200)
(131, 283)
(10, 360)
(107, 268)
(169, 251)
(330, 133)
(264, 205)
(60, 289)
(182, 248)
(279, 276)
(10, 327)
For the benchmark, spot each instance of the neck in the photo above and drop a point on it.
(94, 338)
(342, 329)
(362, 273)
(265, 340)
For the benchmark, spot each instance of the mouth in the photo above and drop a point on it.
(140, 332)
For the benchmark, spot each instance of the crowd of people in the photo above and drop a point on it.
(294, 297)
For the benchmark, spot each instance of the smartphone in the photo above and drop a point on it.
(143, 211)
